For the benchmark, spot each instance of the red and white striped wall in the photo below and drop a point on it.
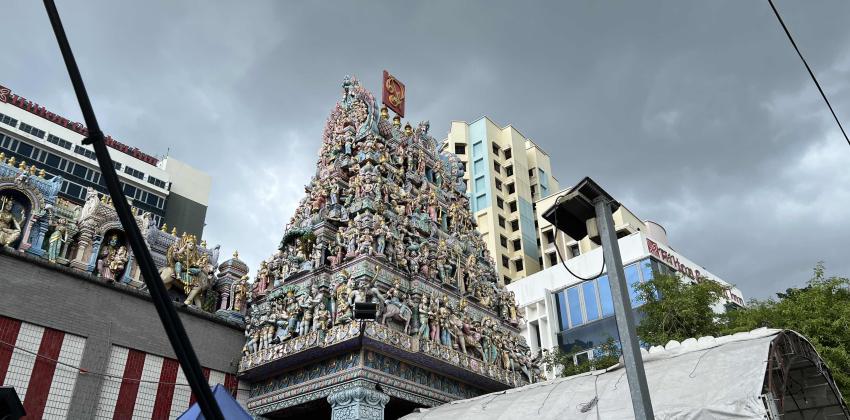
(44, 386)
(135, 384)
(152, 387)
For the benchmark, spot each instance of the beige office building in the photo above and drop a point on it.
(506, 173)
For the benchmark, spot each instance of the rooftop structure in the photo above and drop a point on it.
(170, 190)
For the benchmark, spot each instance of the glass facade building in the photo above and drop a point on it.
(585, 311)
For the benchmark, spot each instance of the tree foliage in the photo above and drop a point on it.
(604, 356)
(820, 312)
(676, 310)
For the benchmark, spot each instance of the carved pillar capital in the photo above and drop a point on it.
(358, 403)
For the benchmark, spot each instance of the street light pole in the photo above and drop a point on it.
(635, 373)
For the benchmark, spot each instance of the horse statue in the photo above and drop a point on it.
(398, 311)
(395, 308)
(187, 266)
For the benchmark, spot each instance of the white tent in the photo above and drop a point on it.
(752, 375)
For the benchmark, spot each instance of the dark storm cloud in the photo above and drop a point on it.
(695, 114)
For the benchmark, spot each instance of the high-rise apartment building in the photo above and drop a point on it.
(506, 173)
(170, 190)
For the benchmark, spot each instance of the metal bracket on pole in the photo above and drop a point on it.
(632, 358)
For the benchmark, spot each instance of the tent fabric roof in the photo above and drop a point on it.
(699, 378)
(230, 409)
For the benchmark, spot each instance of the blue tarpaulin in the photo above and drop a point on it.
(229, 407)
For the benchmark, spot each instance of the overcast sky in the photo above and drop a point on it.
(697, 115)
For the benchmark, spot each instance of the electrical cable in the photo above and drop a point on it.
(560, 257)
(809, 69)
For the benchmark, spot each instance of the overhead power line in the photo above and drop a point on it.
(809, 69)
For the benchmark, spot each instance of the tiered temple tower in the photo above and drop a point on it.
(385, 219)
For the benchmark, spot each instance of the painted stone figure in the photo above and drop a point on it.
(110, 261)
(57, 239)
(10, 226)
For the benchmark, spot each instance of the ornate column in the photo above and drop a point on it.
(358, 403)
(79, 260)
(39, 230)
(128, 269)
(95, 250)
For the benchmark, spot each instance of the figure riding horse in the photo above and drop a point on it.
(186, 265)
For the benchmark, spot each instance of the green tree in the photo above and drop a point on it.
(605, 356)
(820, 312)
(675, 310)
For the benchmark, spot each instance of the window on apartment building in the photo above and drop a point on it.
(553, 258)
(506, 262)
(134, 172)
(500, 203)
(538, 242)
(507, 280)
(531, 173)
(574, 250)
(460, 149)
(540, 261)
(59, 141)
(511, 188)
(512, 206)
(156, 181)
(508, 153)
(533, 190)
(501, 222)
(503, 240)
(24, 149)
(515, 225)
(117, 165)
(518, 264)
(509, 170)
(517, 244)
(5, 119)
(32, 130)
(496, 149)
(496, 167)
(549, 235)
(80, 150)
(499, 185)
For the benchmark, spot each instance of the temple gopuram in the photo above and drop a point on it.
(384, 220)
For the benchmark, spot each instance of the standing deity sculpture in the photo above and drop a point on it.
(240, 292)
(57, 239)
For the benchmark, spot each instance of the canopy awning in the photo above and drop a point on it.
(710, 377)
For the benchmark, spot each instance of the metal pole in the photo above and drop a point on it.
(638, 389)
(164, 307)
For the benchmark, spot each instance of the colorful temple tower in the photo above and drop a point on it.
(384, 220)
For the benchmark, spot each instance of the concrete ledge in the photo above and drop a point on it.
(116, 286)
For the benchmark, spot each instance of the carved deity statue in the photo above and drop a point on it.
(111, 259)
(10, 226)
(57, 240)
